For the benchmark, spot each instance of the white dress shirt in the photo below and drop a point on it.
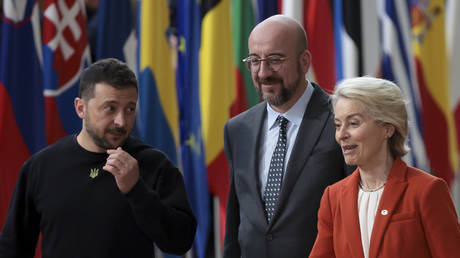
(270, 132)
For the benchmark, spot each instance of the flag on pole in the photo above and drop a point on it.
(22, 127)
(157, 120)
(243, 21)
(65, 54)
(115, 32)
(293, 9)
(216, 68)
(347, 27)
(318, 23)
(398, 66)
(158, 115)
(429, 44)
(191, 132)
(266, 8)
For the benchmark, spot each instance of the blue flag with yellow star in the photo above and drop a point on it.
(191, 140)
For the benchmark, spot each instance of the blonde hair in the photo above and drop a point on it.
(384, 101)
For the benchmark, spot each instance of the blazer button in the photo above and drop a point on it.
(269, 237)
(384, 212)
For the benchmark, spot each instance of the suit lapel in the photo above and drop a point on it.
(394, 189)
(349, 207)
(253, 171)
(313, 122)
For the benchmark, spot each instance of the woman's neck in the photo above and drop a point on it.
(375, 176)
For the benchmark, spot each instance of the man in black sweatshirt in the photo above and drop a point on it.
(101, 193)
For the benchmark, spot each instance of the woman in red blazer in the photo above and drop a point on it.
(385, 208)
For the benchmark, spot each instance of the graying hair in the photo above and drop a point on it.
(384, 102)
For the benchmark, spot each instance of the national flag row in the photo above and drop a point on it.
(187, 55)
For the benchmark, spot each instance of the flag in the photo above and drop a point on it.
(243, 21)
(318, 24)
(22, 128)
(293, 9)
(158, 115)
(217, 94)
(347, 34)
(65, 54)
(429, 44)
(398, 66)
(115, 32)
(157, 120)
(191, 133)
(266, 8)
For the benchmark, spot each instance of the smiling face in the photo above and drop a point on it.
(108, 117)
(278, 38)
(364, 142)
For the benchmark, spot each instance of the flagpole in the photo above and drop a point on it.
(217, 246)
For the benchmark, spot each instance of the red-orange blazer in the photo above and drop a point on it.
(415, 218)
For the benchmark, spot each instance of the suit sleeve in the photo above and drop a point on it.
(231, 245)
(324, 245)
(19, 235)
(440, 221)
(163, 213)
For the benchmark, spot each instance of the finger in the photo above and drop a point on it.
(112, 170)
(116, 162)
(113, 151)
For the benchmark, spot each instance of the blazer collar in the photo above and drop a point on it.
(258, 119)
(394, 189)
(349, 207)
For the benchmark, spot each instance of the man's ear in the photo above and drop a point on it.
(305, 61)
(79, 107)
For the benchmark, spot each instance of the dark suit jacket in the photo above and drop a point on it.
(316, 161)
(419, 221)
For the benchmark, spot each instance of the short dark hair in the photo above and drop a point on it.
(111, 71)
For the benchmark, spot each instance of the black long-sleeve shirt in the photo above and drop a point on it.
(64, 193)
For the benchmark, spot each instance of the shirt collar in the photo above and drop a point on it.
(295, 113)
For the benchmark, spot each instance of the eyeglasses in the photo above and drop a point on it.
(274, 62)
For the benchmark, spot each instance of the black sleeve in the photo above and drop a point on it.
(22, 226)
(231, 245)
(161, 209)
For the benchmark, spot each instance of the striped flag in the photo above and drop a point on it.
(398, 66)
(429, 44)
(191, 133)
(65, 54)
(347, 34)
(22, 127)
(217, 94)
(157, 120)
(243, 21)
(158, 115)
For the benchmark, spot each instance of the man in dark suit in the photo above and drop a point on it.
(273, 203)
